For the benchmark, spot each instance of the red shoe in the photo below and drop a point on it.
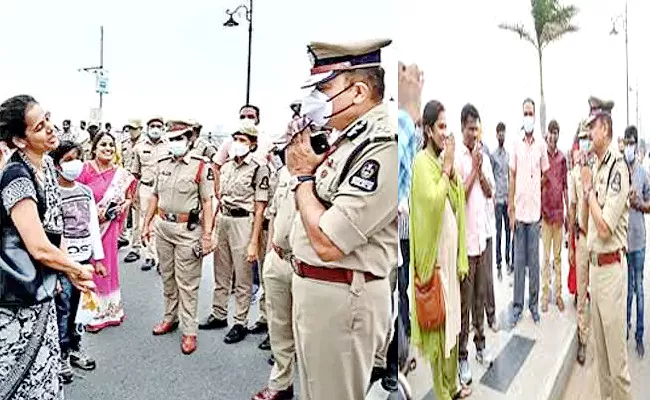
(270, 394)
(188, 344)
(164, 328)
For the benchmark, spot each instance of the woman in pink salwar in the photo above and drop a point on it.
(113, 188)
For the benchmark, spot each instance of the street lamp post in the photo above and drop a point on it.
(231, 23)
(100, 68)
(614, 31)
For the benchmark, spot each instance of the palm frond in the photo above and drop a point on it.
(520, 30)
(554, 33)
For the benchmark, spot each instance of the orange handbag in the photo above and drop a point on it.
(430, 302)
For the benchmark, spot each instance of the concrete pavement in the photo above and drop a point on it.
(132, 364)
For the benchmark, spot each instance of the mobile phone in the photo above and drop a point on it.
(319, 142)
(111, 211)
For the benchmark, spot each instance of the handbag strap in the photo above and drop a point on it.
(26, 361)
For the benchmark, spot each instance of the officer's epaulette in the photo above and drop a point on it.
(165, 158)
(357, 129)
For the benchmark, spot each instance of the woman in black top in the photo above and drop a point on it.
(30, 255)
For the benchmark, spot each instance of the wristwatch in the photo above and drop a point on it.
(297, 180)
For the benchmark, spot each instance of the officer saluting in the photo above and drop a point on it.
(344, 239)
(606, 188)
(182, 198)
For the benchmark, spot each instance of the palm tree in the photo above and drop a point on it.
(552, 22)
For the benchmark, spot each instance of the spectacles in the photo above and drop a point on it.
(246, 116)
(528, 114)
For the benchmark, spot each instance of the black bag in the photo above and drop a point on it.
(23, 281)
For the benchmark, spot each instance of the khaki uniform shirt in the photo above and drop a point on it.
(613, 200)
(576, 195)
(274, 177)
(204, 148)
(244, 184)
(146, 154)
(283, 210)
(128, 154)
(362, 218)
(175, 183)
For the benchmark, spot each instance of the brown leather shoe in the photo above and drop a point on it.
(164, 328)
(560, 304)
(270, 394)
(188, 344)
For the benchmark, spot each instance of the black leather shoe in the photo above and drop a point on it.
(377, 374)
(148, 265)
(266, 344)
(236, 334)
(259, 328)
(132, 257)
(212, 323)
(121, 242)
(389, 383)
(271, 360)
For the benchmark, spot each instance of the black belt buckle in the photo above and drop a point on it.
(239, 213)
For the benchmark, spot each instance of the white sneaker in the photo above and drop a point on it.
(464, 372)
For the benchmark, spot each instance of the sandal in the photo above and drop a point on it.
(463, 393)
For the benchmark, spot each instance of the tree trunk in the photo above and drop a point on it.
(542, 101)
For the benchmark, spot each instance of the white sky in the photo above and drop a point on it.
(467, 58)
(175, 58)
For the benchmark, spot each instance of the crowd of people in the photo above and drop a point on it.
(456, 195)
(314, 212)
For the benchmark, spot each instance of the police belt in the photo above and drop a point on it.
(171, 217)
(150, 184)
(605, 259)
(334, 275)
(235, 212)
(284, 254)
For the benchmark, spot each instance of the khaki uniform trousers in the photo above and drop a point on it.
(608, 309)
(338, 329)
(145, 194)
(133, 233)
(233, 238)
(582, 276)
(551, 238)
(381, 358)
(278, 277)
(260, 262)
(181, 273)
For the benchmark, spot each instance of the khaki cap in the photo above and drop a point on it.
(328, 59)
(156, 118)
(246, 130)
(178, 127)
(598, 107)
(134, 123)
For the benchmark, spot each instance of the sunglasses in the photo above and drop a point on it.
(245, 116)
(528, 114)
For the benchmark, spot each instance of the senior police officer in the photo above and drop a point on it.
(146, 153)
(278, 276)
(579, 228)
(182, 199)
(344, 240)
(605, 189)
(133, 133)
(244, 186)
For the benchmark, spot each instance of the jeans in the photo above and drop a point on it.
(635, 261)
(67, 303)
(501, 213)
(526, 255)
(403, 284)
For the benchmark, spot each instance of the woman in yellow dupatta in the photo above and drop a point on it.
(437, 224)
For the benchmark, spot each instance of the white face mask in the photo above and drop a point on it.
(177, 147)
(154, 133)
(529, 124)
(630, 151)
(238, 149)
(317, 106)
(247, 123)
(70, 170)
